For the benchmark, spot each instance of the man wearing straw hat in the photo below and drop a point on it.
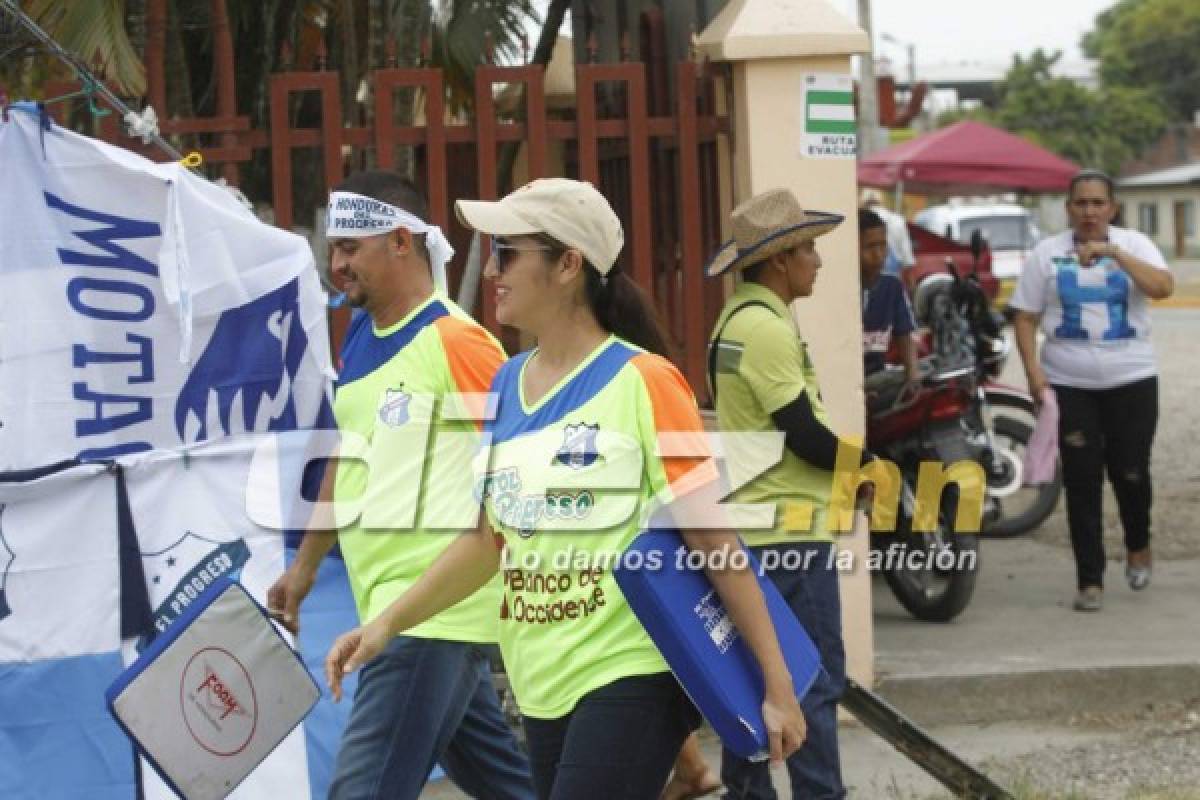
(763, 380)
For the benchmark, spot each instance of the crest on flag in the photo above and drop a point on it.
(178, 574)
(578, 449)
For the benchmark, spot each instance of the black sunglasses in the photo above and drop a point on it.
(506, 253)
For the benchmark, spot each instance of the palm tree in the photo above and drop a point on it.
(95, 31)
(463, 33)
(453, 34)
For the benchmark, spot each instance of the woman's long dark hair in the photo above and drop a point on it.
(622, 308)
(619, 304)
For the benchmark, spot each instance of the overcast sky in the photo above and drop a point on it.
(989, 31)
(948, 31)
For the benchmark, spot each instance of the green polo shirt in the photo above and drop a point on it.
(762, 365)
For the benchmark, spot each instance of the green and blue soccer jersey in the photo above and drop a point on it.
(397, 397)
(570, 483)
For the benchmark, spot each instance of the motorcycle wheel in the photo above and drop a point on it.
(1015, 509)
(932, 593)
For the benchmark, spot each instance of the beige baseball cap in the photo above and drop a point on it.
(571, 212)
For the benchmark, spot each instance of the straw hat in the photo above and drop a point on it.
(766, 224)
(869, 197)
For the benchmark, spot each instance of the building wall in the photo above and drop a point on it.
(1179, 144)
(1136, 202)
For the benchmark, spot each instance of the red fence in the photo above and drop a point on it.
(656, 160)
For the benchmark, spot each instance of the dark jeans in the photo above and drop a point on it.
(1109, 430)
(815, 769)
(427, 701)
(619, 743)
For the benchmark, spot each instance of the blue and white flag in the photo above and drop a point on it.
(60, 638)
(144, 307)
(189, 508)
(145, 313)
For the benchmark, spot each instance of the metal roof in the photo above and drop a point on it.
(1172, 176)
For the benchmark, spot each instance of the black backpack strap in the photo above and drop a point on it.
(716, 342)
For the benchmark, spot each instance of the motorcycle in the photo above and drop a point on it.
(999, 423)
(932, 573)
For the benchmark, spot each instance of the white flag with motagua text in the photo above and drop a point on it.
(144, 307)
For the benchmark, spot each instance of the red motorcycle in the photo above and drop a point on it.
(932, 573)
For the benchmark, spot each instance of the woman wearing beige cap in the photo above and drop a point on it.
(574, 468)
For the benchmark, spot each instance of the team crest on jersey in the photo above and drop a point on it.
(6, 560)
(393, 409)
(578, 449)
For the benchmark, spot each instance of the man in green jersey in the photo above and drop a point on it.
(409, 354)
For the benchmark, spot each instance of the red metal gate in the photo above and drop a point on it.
(655, 160)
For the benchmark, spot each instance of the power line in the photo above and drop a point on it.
(84, 74)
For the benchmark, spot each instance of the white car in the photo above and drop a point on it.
(1008, 229)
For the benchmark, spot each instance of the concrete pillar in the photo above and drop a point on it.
(779, 50)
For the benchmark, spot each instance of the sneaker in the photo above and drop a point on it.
(1137, 570)
(1089, 599)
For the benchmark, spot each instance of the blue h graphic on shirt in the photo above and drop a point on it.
(1114, 294)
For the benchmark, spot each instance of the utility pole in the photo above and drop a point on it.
(911, 50)
(868, 89)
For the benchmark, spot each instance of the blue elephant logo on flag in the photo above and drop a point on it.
(244, 380)
(579, 446)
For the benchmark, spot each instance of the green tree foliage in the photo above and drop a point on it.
(1153, 44)
(95, 31)
(356, 35)
(461, 32)
(1100, 128)
(99, 33)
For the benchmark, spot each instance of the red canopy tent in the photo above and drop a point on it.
(966, 158)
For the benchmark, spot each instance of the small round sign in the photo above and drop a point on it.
(218, 703)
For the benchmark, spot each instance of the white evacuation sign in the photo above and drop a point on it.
(827, 125)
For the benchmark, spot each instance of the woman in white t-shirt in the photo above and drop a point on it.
(1089, 290)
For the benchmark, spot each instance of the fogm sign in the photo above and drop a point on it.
(218, 702)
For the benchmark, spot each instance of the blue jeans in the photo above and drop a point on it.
(421, 702)
(619, 742)
(815, 769)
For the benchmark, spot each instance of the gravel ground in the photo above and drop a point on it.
(1153, 754)
(1175, 466)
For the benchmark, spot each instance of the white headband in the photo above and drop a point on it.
(354, 216)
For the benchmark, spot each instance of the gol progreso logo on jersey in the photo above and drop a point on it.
(585, 479)
(526, 513)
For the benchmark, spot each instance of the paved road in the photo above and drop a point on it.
(985, 683)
